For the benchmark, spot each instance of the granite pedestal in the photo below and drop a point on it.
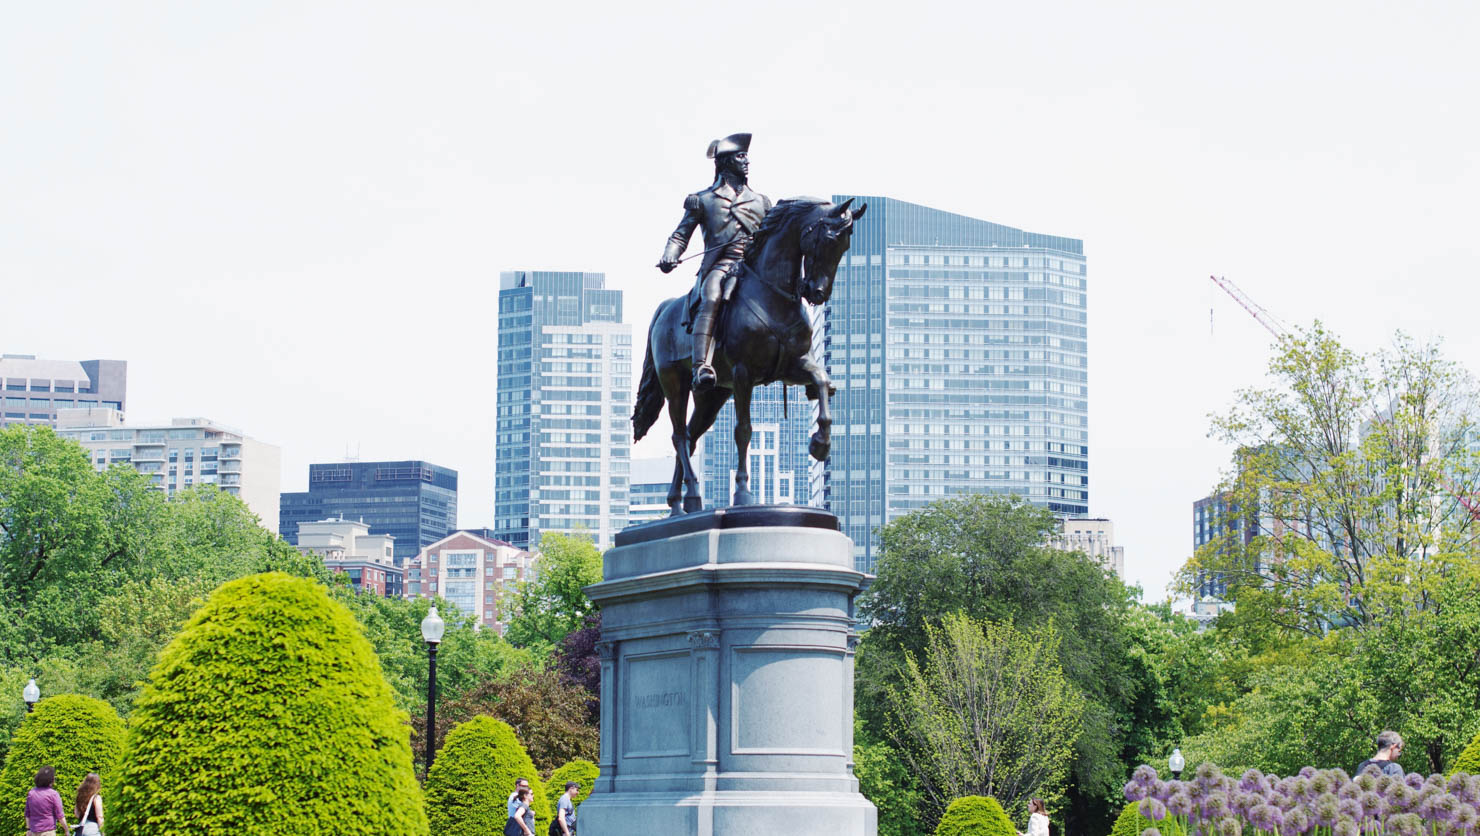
(727, 678)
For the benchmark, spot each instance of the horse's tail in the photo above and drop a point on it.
(649, 392)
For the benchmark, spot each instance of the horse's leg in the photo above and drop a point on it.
(676, 385)
(706, 408)
(741, 383)
(821, 442)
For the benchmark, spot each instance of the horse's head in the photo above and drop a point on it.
(825, 237)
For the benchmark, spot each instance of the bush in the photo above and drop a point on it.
(975, 815)
(1468, 760)
(268, 714)
(74, 734)
(1130, 822)
(468, 787)
(581, 771)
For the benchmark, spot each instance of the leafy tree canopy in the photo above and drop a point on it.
(543, 611)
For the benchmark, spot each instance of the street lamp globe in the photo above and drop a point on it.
(31, 694)
(432, 627)
(1176, 763)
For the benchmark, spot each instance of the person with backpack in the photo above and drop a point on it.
(1389, 748)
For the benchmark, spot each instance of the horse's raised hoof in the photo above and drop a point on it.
(819, 447)
(692, 504)
(743, 497)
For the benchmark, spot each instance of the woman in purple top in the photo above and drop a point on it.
(44, 812)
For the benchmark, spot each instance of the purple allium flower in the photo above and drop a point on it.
(1445, 808)
(1339, 776)
(1296, 821)
(1145, 775)
(1134, 791)
(1300, 787)
(1152, 809)
(1286, 801)
(1216, 805)
(1307, 771)
(1456, 783)
(1195, 790)
(1266, 817)
(1151, 831)
(1435, 780)
(1367, 781)
(1243, 802)
(1466, 817)
(1230, 826)
(1373, 805)
(1372, 769)
(1326, 810)
(1405, 824)
(1401, 797)
(1413, 780)
(1180, 804)
(1160, 791)
(1322, 784)
(1348, 790)
(1346, 827)
(1251, 780)
(1348, 808)
(1283, 785)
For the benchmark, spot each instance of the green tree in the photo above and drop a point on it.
(581, 771)
(1130, 822)
(548, 715)
(543, 611)
(268, 714)
(974, 815)
(1468, 761)
(472, 777)
(893, 787)
(986, 556)
(986, 710)
(71, 733)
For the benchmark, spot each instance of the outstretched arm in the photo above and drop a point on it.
(679, 240)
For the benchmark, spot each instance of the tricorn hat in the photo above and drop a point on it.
(728, 145)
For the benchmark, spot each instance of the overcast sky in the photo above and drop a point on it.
(291, 217)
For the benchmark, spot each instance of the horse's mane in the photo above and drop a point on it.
(781, 216)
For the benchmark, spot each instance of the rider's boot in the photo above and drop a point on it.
(704, 376)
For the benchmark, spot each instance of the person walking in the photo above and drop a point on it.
(1389, 749)
(519, 784)
(44, 813)
(565, 811)
(521, 817)
(89, 805)
(1037, 818)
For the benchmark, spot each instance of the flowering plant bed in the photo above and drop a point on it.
(1318, 802)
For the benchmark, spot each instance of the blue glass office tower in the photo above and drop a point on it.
(413, 501)
(959, 351)
(563, 438)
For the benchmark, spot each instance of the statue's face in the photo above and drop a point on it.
(739, 163)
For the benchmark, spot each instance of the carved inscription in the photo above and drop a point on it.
(666, 699)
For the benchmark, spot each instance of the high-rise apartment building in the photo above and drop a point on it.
(413, 501)
(33, 390)
(780, 422)
(470, 571)
(647, 495)
(182, 453)
(564, 434)
(959, 351)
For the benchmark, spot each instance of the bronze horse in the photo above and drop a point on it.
(764, 336)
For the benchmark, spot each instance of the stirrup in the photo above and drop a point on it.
(704, 378)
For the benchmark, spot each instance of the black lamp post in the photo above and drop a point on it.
(31, 694)
(431, 630)
(1176, 763)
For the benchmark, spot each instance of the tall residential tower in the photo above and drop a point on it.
(564, 437)
(959, 351)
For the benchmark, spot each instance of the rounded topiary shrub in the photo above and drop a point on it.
(581, 771)
(975, 815)
(468, 786)
(69, 732)
(267, 714)
(1130, 822)
(1468, 760)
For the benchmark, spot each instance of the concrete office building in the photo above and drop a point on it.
(1093, 536)
(182, 453)
(413, 501)
(959, 351)
(564, 433)
(33, 389)
(348, 546)
(470, 571)
(647, 498)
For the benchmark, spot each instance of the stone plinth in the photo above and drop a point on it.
(727, 678)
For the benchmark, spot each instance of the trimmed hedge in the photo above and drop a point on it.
(74, 734)
(1130, 822)
(468, 787)
(1468, 760)
(975, 815)
(581, 771)
(268, 714)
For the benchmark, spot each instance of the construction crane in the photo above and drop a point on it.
(1270, 322)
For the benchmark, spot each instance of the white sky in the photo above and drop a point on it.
(291, 216)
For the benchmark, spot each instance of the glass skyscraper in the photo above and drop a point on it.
(413, 501)
(563, 448)
(959, 351)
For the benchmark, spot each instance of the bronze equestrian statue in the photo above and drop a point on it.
(760, 332)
